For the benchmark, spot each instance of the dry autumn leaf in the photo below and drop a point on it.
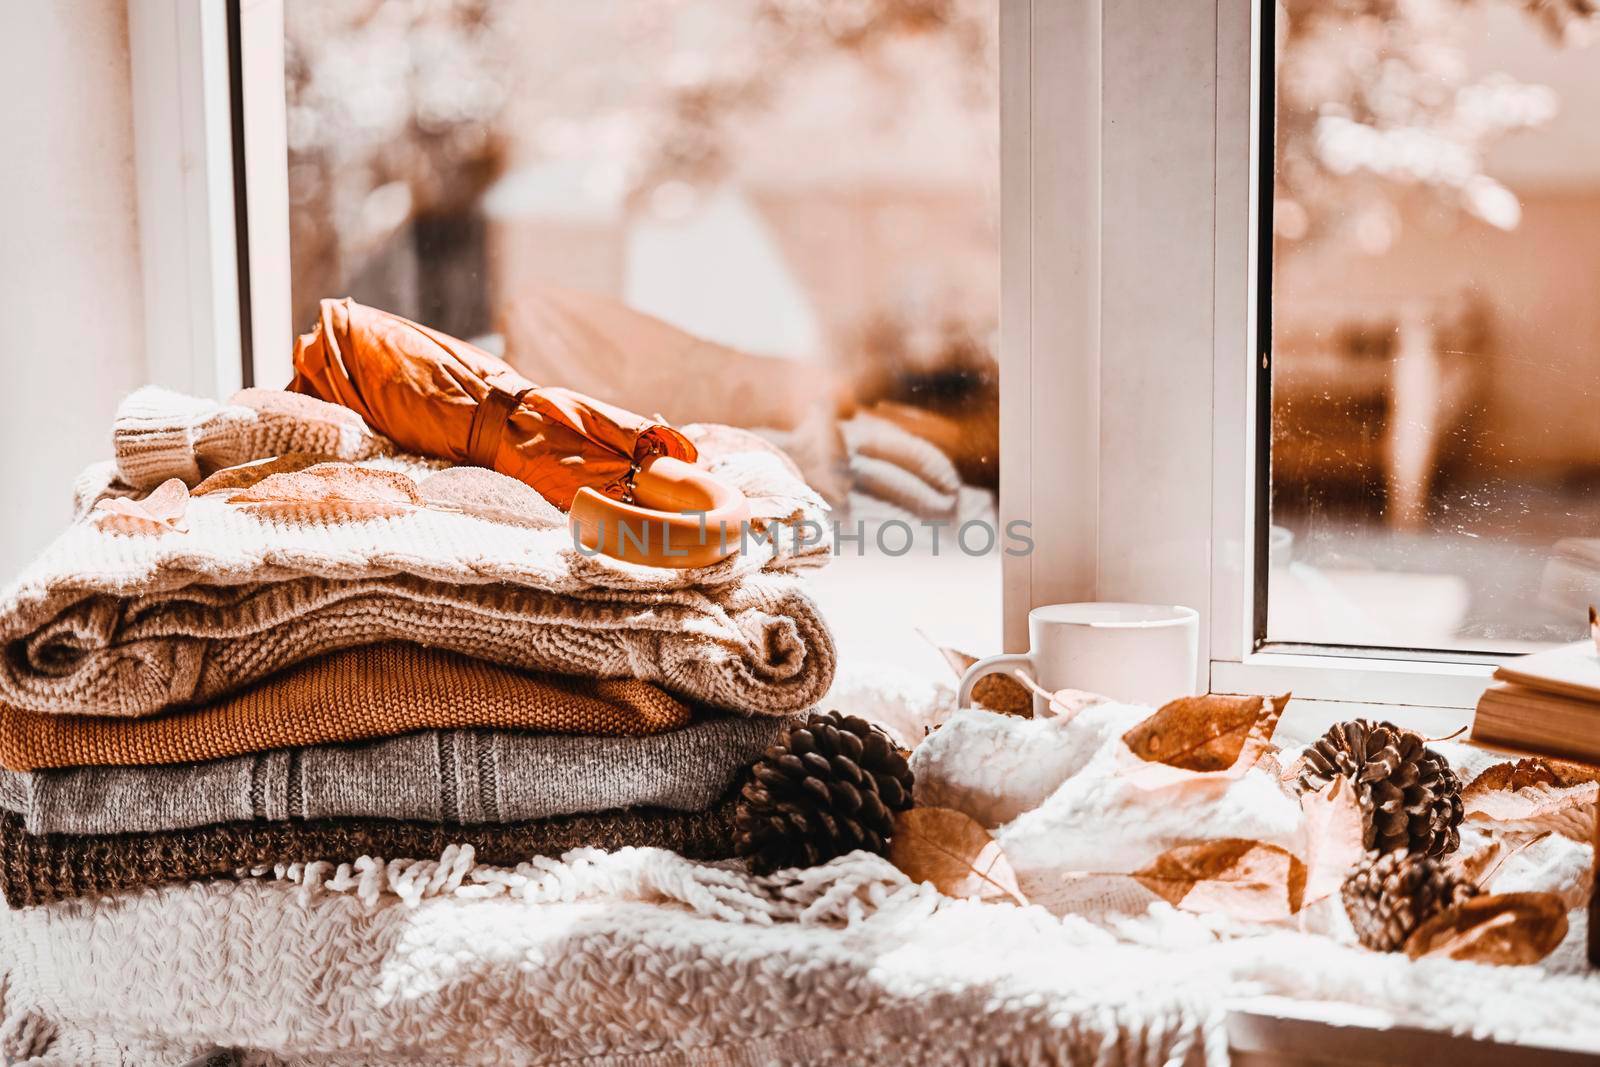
(1244, 879)
(1202, 737)
(1332, 834)
(329, 491)
(160, 512)
(1292, 772)
(950, 850)
(1534, 770)
(244, 475)
(1509, 928)
(997, 692)
(1480, 865)
(1567, 810)
(1534, 795)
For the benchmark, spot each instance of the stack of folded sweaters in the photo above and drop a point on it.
(312, 647)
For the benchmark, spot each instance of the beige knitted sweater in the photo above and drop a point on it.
(127, 619)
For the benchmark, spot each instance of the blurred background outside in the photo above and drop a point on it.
(777, 214)
(1436, 323)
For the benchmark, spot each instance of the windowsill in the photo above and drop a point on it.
(1279, 1032)
(1305, 720)
(1356, 679)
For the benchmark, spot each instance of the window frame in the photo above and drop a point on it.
(1153, 334)
(1130, 321)
(211, 172)
(183, 164)
(1242, 660)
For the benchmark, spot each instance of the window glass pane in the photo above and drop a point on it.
(777, 214)
(1435, 449)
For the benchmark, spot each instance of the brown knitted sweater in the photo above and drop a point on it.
(40, 868)
(367, 692)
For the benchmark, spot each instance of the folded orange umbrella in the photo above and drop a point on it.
(617, 473)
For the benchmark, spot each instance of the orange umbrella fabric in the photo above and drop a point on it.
(439, 396)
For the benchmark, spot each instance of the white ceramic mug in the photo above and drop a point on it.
(1137, 653)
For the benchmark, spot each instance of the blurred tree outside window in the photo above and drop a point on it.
(1436, 223)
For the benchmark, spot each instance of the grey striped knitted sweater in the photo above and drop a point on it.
(461, 777)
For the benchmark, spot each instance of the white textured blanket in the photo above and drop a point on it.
(635, 957)
(126, 619)
(639, 957)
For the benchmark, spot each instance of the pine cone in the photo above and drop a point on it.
(832, 786)
(1392, 893)
(1409, 795)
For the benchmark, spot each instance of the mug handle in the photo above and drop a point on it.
(991, 665)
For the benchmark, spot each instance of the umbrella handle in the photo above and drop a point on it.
(681, 517)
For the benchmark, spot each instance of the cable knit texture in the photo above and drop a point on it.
(112, 621)
(442, 776)
(367, 692)
(40, 868)
(643, 959)
(636, 957)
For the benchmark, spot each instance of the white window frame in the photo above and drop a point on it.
(1128, 340)
(186, 177)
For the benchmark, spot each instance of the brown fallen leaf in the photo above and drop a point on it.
(329, 491)
(1508, 928)
(1292, 772)
(1479, 866)
(1204, 736)
(952, 851)
(1534, 770)
(1534, 795)
(244, 475)
(1567, 810)
(160, 512)
(1245, 879)
(1332, 834)
(997, 692)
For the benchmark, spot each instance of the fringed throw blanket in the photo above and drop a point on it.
(440, 776)
(636, 957)
(642, 959)
(40, 868)
(338, 541)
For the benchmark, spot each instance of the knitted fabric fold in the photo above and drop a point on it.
(126, 620)
(41, 868)
(367, 692)
(436, 776)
